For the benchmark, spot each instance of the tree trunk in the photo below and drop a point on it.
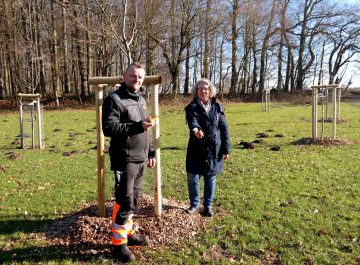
(254, 83)
(288, 71)
(65, 53)
(187, 69)
(206, 41)
(221, 82)
(264, 48)
(80, 57)
(234, 48)
(89, 52)
(282, 45)
(321, 70)
(54, 56)
(279, 73)
(40, 62)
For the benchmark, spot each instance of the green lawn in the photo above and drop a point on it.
(298, 205)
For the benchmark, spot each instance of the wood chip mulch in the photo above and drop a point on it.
(322, 141)
(85, 233)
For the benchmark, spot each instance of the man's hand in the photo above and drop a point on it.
(152, 119)
(147, 125)
(151, 162)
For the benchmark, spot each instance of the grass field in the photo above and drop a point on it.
(298, 205)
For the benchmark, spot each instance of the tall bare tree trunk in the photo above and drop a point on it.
(206, 41)
(305, 34)
(80, 57)
(246, 58)
(89, 52)
(187, 69)
(254, 83)
(221, 78)
(234, 48)
(39, 49)
(65, 53)
(74, 71)
(264, 48)
(321, 70)
(288, 71)
(54, 56)
(280, 60)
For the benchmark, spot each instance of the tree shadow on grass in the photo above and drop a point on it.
(19, 224)
(58, 253)
(172, 148)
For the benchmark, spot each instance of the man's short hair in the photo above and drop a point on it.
(136, 65)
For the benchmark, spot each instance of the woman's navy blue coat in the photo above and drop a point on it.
(205, 156)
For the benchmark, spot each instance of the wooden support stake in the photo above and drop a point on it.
(32, 127)
(156, 143)
(314, 104)
(338, 102)
(38, 109)
(21, 126)
(99, 94)
(334, 111)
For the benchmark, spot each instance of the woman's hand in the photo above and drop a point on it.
(198, 133)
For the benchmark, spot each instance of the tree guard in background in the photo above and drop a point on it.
(100, 82)
(265, 99)
(32, 101)
(336, 95)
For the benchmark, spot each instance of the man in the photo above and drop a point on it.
(125, 121)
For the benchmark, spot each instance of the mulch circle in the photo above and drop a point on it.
(322, 141)
(86, 233)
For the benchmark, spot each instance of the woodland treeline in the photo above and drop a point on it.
(52, 46)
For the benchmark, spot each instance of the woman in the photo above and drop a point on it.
(208, 147)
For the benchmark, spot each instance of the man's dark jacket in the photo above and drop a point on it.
(205, 156)
(122, 116)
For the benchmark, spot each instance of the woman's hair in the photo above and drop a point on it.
(209, 83)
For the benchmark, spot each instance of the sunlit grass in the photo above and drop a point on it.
(297, 205)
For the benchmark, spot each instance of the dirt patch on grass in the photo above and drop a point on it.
(2, 168)
(87, 234)
(13, 155)
(322, 141)
(73, 152)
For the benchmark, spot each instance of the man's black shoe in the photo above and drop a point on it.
(208, 212)
(192, 210)
(136, 240)
(123, 253)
